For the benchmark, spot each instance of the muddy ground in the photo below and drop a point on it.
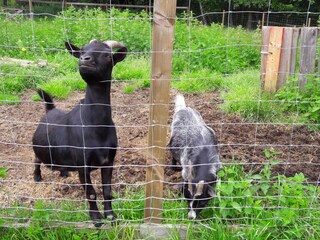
(239, 142)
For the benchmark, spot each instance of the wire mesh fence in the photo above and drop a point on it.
(269, 144)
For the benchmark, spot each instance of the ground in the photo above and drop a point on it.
(240, 142)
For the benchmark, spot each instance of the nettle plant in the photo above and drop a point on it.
(264, 198)
(305, 101)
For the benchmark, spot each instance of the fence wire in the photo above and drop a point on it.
(271, 161)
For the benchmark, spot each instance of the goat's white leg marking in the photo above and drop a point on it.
(191, 214)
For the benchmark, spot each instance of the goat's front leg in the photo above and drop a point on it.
(37, 171)
(64, 173)
(85, 179)
(106, 175)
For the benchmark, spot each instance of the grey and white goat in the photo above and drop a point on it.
(194, 145)
(85, 138)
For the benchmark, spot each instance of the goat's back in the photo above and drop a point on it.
(190, 133)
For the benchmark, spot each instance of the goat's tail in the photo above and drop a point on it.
(47, 98)
(179, 103)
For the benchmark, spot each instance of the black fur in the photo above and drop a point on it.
(85, 138)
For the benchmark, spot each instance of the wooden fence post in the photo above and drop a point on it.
(307, 54)
(223, 17)
(31, 10)
(264, 52)
(162, 46)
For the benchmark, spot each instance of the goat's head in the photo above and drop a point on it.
(198, 195)
(200, 182)
(97, 59)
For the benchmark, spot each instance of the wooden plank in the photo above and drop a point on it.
(162, 46)
(273, 59)
(264, 52)
(285, 59)
(307, 54)
(294, 51)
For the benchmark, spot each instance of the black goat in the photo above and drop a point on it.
(85, 138)
(194, 145)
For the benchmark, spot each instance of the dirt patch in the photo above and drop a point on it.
(239, 142)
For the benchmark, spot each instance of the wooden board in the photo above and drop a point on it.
(285, 59)
(162, 47)
(307, 54)
(294, 51)
(273, 59)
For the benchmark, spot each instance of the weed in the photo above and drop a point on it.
(305, 101)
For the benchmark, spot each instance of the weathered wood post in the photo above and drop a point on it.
(164, 14)
(223, 17)
(31, 9)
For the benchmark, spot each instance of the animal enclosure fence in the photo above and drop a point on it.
(271, 163)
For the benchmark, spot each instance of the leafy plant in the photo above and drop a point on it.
(305, 101)
(3, 172)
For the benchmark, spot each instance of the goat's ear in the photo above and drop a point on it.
(119, 55)
(73, 50)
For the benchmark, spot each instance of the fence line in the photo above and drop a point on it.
(106, 5)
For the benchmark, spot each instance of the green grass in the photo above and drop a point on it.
(248, 205)
(197, 81)
(243, 95)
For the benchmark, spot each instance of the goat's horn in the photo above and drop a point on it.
(92, 40)
(114, 44)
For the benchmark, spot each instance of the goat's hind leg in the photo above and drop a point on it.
(37, 171)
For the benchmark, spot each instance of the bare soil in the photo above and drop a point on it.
(240, 142)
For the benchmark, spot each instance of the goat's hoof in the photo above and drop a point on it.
(111, 216)
(95, 216)
(37, 178)
(98, 224)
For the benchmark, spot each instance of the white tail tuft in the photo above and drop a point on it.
(180, 103)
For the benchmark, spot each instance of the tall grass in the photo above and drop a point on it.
(214, 48)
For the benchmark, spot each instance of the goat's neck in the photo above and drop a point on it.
(97, 101)
(98, 93)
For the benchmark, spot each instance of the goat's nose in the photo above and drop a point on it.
(192, 215)
(85, 58)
